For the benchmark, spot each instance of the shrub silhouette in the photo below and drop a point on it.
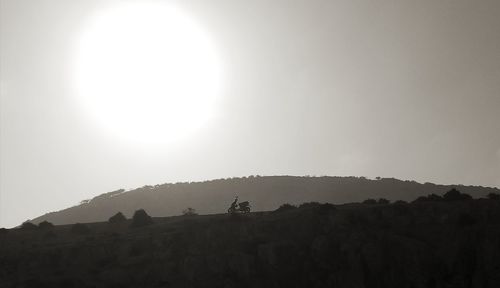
(383, 201)
(141, 218)
(429, 198)
(80, 229)
(117, 218)
(434, 197)
(45, 225)
(189, 212)
(28, 226)
(309, 205)
(370, 201)
(285, 207)
(455, 195)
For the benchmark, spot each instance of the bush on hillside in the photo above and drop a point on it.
(189, 212)
(309, 205)
(383, 201)
(370, 201)
(28, 226)
(141, 218)
(117, 218)
(429, 198)
(285, 207)
(434, 197)
(455, 195)
(45, 225)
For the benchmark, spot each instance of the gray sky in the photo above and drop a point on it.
(405, 89)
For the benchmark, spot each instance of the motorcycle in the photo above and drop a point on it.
(243, 207)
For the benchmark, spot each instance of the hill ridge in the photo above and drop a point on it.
(265, 193)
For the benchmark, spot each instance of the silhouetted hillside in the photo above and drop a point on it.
(264, 194)
(434, 244)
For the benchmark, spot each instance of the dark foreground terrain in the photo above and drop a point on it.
(422, 244)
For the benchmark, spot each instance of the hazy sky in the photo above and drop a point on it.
(405, 89)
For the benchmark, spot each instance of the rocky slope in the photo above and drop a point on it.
(264, 194)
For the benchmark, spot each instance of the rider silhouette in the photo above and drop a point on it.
(233, 205)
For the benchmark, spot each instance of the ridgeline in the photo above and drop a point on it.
(264, 193)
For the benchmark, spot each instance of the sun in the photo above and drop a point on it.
(146, 72)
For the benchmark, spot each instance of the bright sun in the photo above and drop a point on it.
(146, 72)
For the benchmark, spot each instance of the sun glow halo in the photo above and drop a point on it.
(146, 72)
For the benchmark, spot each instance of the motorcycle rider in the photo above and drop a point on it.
(233, 205)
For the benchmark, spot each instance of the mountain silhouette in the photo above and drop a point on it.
(264, 193)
